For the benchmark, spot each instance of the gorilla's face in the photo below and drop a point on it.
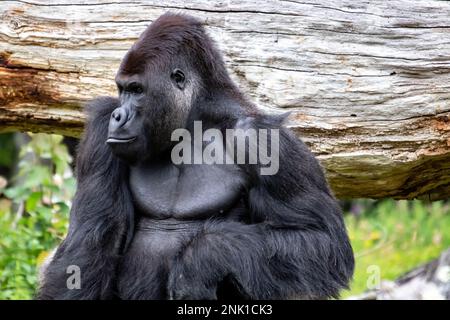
(153, 104)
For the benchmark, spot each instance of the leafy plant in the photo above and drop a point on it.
(34, 215)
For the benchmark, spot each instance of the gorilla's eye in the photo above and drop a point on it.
(178, 77)
(120, 88)
(135, 88)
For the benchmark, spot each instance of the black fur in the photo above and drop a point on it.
(101, 216)
(289, 240)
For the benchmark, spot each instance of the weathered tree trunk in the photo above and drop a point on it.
(368, 82)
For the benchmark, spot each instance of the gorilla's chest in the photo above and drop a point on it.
(190, 191)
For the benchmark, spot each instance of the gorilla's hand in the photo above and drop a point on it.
(223, 249)
(187, 286)
(194, 279)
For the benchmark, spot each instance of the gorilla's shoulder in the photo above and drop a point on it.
(272, 120)
(101, 106)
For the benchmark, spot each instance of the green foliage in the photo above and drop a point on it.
(396, 236)
(34, 214)
(7, 149)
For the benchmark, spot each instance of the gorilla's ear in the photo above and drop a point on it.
(178, 78)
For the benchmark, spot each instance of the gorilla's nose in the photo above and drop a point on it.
(118, 118)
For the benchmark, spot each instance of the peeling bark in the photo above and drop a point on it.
(368, 83)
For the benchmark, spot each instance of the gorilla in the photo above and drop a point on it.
(144, 227)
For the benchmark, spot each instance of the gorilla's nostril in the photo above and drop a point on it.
(116, 115)
(119, 118)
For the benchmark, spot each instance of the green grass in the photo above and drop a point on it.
(396, 236)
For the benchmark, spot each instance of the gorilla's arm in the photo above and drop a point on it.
(101, 216)
(296, 245)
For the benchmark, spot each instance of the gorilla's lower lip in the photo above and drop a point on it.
(120, 140)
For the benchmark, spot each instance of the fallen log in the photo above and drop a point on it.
(368, 83)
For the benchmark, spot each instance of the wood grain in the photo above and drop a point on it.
(367, 82)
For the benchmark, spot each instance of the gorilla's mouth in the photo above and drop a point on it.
(111, 140)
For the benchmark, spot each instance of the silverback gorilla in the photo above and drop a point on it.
(142, 227)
